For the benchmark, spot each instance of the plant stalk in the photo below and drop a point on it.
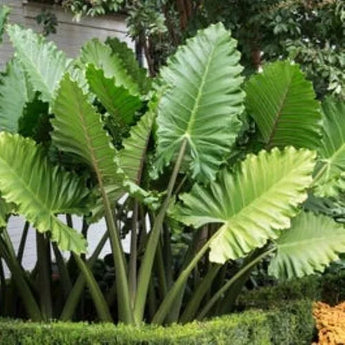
(23, 242)
(78, 287)
(199, 294)
(134, 254)
(149, 256)
(25, 292)
(168, 301)
(63, 271)
(318, 175)
(161, 271)
(168, 257)
(96, 293)
(226, 286)
(44, 274)
(2, 284)
(122, 287)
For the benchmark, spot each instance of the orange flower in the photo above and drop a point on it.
(330, 321)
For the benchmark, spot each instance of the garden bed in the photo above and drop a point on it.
(278, 315)
(292, 324)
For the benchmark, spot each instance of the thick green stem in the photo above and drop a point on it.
(238, 275)
(174, 314)
(84, 229)
(77, 290)
(161, 272)
(23, 242)
(168, 257)
(63, 271)
(226, 304)
(168, 301)
(69, 220)
(149, 256)
(134, 254)
(24, 290)
(7, 239)
(96, 293)
(180, 185)
(3, 284)
(151, 300)
(122, 286)
(198, 294)
(319, 175)
(44, 274)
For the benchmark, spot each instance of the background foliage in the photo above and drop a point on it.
(310, 32)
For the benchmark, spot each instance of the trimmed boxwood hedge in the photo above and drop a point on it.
(291, 324)
(329, 288)
(278, 315)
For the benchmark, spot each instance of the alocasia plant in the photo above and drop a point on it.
(159, 162)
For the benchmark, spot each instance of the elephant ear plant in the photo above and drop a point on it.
(175, 165)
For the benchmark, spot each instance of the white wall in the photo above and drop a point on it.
(70, 35)
(15, 229)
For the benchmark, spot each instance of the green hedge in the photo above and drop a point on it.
(278, 315)
(288, 325)
(329, 288)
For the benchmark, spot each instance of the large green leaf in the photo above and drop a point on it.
(130, 62)
(42, 61)
(132, 156)
(202, 101)
(312, 243)
(282, 103)
(40, 190)
(117, 100)
(78, 129)
(14, 94)
(100, 55)
(252, 203)
(332, 149)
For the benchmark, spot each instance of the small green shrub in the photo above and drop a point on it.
(275, 296)
(333, 288)
(289, 325)
(329, 288)
(292, 323)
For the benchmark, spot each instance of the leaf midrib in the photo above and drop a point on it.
(26, 186)
(188, 132)
(278, 114)
(143, 155)
(267, 192)
(94, 159)
(33, 66)
(336, 153)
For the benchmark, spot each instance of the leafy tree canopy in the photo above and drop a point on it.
(310, 32)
